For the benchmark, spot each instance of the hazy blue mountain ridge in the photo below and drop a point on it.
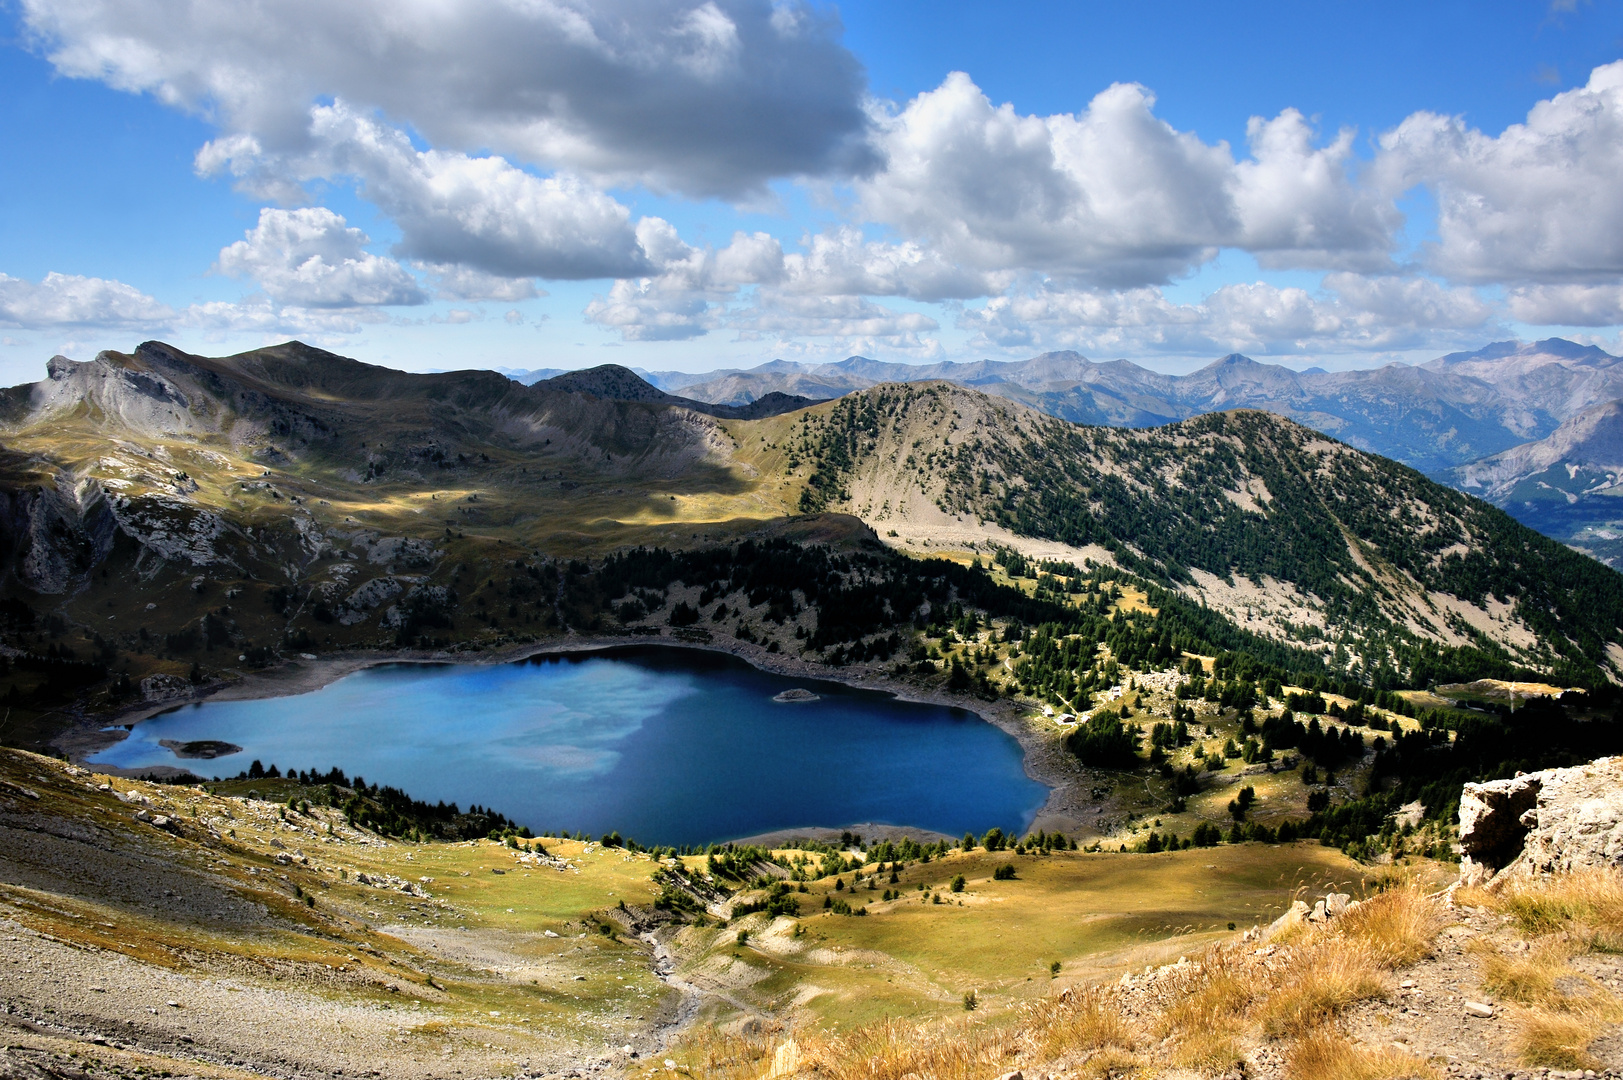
(1434, 417)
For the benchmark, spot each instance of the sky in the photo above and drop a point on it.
(681, 185)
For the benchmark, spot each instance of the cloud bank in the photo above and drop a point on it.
(506, 140)
(708, 99)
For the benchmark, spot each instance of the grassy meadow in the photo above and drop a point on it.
(1095, 915)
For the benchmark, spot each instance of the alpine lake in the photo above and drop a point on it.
(664, 745)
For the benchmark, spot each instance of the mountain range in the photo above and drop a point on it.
(1435, 416)
(1475, 420)
(291, 498)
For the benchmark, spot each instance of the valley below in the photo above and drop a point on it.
(481, 959)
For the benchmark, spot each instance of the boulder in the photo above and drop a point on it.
(1297, 914)
(1577, 822)
(164, 688)
(1557, 820)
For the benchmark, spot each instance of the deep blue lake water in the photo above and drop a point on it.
(667, 746)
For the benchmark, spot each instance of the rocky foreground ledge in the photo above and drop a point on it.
(1552, 821)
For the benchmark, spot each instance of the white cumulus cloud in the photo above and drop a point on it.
(1353, 313)
(844, 323)
(841, 262)
(311, 258)
(1540, 202)
(710, 99)
(452, 208)
(491, 133)
(1113, 196)
(1300, 205)
(221, 320)
(71, 300)
(839, 266)
(1567, 305)
(652, 310)
(682, 300)
(454, 282)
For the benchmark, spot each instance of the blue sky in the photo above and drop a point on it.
(680, 185)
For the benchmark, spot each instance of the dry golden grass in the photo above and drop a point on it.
(1324, 978)
(1201, 1016)
(1326, 1054)
(1560, 1010)
(1208, 1013)
(1086, 1022)
(1208, 1050)
(1298, 991)
(711, 1052)
(1589, 902)
(1397, 926)
(892, 1049)
(1232, 996)
(1556, 1040)
(1526, 978)
(1084, 1030)
(1205, 1021)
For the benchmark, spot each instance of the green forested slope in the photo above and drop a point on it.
(1379, 546)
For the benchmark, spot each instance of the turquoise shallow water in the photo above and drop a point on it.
(668, 746)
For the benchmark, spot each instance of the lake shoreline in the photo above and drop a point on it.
(1069, 807)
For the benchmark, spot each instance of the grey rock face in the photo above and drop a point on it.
(1557, 820)
(140, 400)
(1491, 830)
(56, 532)
(1578, 821)
(164, 688)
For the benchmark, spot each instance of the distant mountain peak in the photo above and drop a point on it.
(1572, 350)
(1557, 347)
(606, 380)
(615, 383)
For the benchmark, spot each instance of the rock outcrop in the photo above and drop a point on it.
(1557, 820)
(51, 534)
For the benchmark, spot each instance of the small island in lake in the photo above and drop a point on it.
(797, 694)
(205, 749)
